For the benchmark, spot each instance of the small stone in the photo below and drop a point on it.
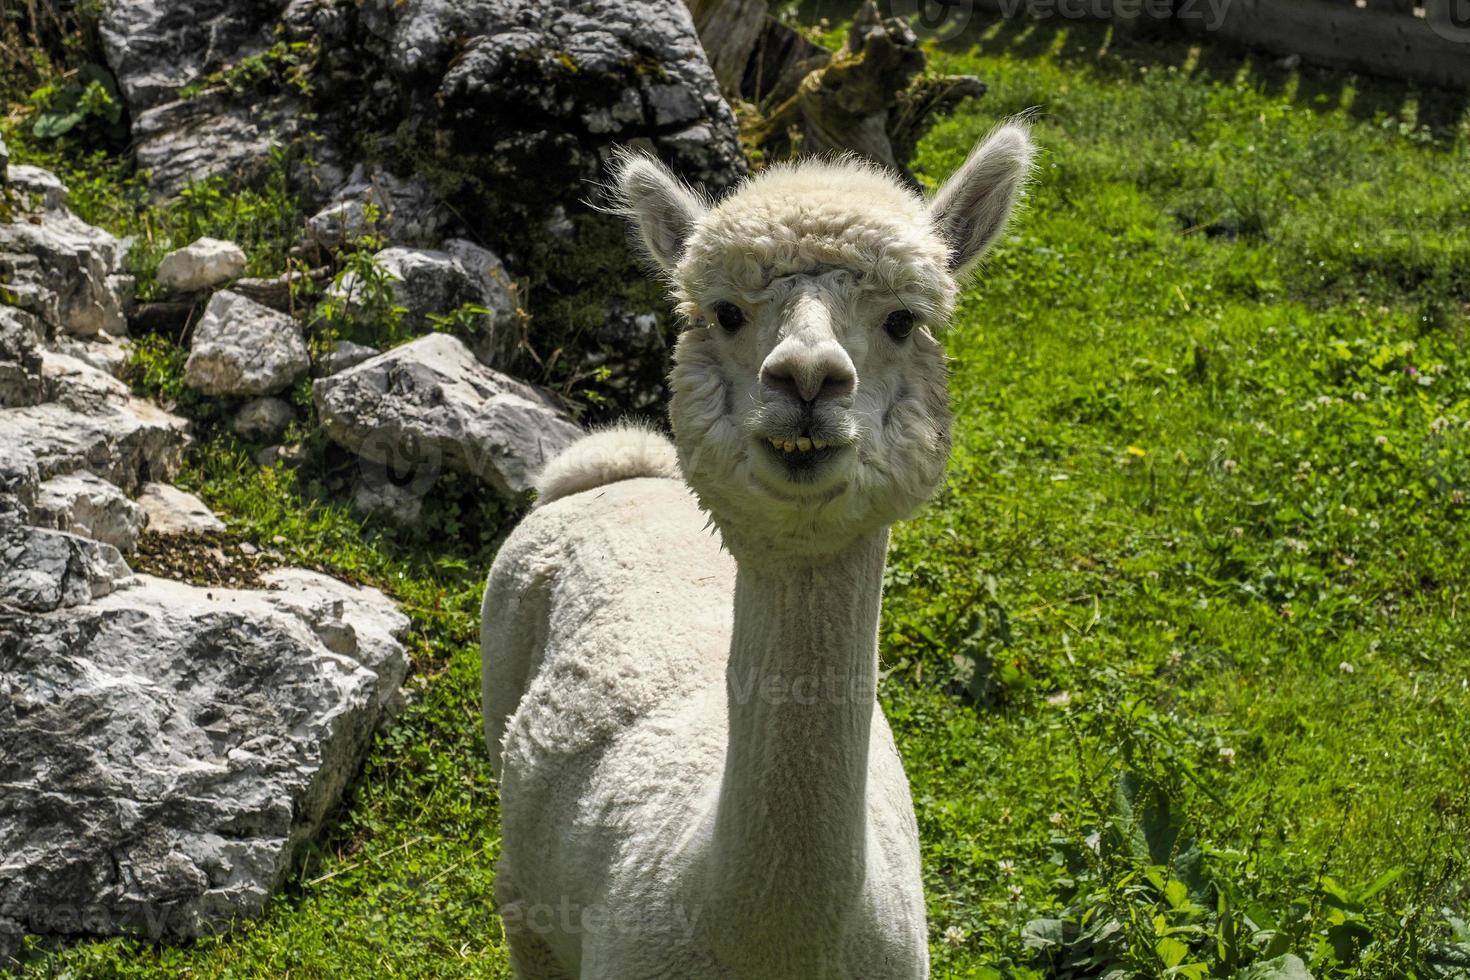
(87, 505)
(42, 186)
(243, 348)
(387, 501)
(202, 264)
(174, 511)
(263, 419)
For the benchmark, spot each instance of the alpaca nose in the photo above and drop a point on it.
(810, 373)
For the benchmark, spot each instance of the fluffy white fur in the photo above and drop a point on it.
(696, 780)
(621, 453)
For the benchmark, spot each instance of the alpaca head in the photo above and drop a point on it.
(810, 403)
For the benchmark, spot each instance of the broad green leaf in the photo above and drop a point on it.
(1286, 967)
(1171, 951)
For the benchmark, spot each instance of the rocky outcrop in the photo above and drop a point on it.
(243, 348)
(167, 749)
(528, 86)
(431, 405)
(42, 570)
(543, 88)
(125, 440)
(20, 359)
(185, 126)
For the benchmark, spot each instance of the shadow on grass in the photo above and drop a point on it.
(1105, 45)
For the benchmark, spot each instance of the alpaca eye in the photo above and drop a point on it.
(731, 317)
(900, 324)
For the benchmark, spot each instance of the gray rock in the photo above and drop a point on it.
(12, 936)
(42, 570)
(263, 419)
(19, 478)
(424, 281)
(497, 338)
(431, 405)
(429, 282)
(360, 623)
(105, 353)
(404, 211)
(345, 354)
(40, 190)
(375, 496)
(87, 505)
(216, 134)
(631, 348)
(77, 385)
(126, 441)
(156, 47)
(202, 264)
(174, 511)
(547, 88)
(57, 267)
(527, 86)
(243, 348)
(167, 750)
(20, 359)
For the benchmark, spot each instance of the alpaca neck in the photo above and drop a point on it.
(788, 851)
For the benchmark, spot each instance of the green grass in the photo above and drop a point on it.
(1203, 548)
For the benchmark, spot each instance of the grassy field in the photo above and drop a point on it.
(1177, 661)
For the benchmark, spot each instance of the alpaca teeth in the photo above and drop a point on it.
(818, 444)
(804, 444)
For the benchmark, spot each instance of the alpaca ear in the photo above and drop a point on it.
(661, 207)
(973, 206)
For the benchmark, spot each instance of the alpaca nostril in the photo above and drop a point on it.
(812, 376)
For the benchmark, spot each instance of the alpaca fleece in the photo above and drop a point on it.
(680, 663)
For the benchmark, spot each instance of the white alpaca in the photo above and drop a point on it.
(693, 788)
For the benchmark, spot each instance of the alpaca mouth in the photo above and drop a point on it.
(802, 457)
